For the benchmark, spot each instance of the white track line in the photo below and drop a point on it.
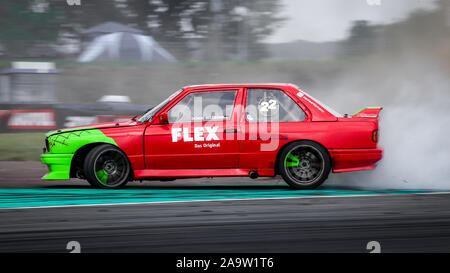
(220, 200)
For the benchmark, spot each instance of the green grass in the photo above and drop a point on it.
(21, 146)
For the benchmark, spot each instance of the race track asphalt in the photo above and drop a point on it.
(336, 219)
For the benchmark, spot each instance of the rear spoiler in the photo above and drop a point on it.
(368, 112)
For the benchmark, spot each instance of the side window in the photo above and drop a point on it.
(271, 105)
(203, 106)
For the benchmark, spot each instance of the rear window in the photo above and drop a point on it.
(323, 105)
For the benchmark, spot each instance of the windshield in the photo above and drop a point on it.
(150, 113)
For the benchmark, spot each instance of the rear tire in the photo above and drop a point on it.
(107, 167)
(304, 164)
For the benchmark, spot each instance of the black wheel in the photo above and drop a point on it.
(304, 164)
(106, 166)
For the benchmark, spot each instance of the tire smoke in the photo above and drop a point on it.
(414, 128)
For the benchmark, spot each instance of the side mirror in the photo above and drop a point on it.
(163, 118)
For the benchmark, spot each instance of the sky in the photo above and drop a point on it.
(329, 20)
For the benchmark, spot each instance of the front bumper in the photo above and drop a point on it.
(58, 166)
(348, 160)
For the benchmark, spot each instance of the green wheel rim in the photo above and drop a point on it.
(291, 160)
(102, 176)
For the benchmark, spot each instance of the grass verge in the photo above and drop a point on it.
(21, 146)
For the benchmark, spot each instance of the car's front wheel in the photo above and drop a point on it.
(106, 166)
(304, 164)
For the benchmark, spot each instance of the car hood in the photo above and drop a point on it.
(95, 126)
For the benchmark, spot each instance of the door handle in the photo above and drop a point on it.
(230, 131)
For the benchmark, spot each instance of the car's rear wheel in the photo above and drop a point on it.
(304, 164)
(106, 166)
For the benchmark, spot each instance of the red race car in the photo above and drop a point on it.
(220, 130)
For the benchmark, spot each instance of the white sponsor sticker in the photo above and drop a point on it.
(200, 134)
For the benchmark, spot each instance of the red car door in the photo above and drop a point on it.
(200, 134)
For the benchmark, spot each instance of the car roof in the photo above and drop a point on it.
(241, 85)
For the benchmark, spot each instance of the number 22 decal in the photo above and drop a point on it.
(266, 106)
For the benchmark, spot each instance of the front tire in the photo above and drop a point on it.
(304, 164)
(107, 167)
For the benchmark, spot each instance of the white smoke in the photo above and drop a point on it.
(414, 127)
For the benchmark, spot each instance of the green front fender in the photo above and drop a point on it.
(70, 142)
(62, 147)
